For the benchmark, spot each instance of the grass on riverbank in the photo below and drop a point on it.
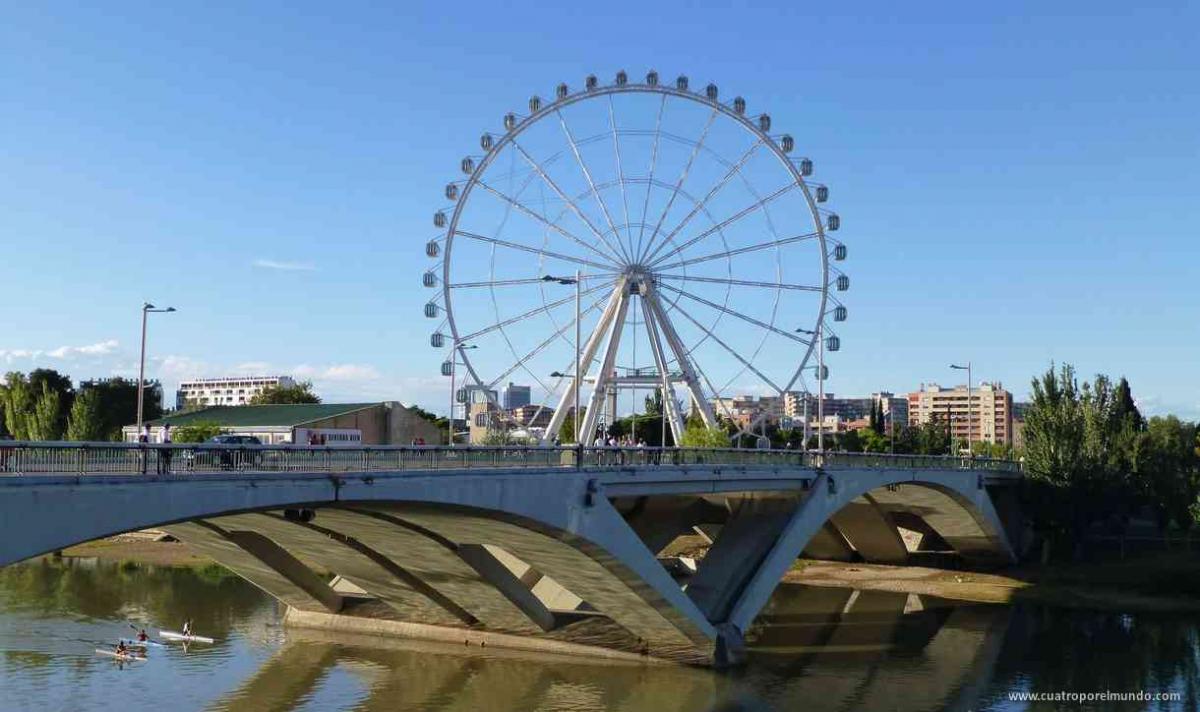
(1156, 582)
(143, 551)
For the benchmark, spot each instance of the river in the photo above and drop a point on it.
(817, 649)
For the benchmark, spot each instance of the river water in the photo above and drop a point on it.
(818, 649)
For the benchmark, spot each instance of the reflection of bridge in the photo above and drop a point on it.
(543, 542)
(820, 648)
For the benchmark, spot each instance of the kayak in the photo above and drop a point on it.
(144, 644)
(126, 657)
(171, 635)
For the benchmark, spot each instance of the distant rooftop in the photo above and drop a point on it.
(261, 415)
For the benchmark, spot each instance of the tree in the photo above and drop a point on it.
(86, 421)
(697, 434)
(873, 441)
(42, 380)
(196, 432)
(301, 393)
(654, 403)
(35, 407)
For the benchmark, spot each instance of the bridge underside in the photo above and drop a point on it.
(561, 557)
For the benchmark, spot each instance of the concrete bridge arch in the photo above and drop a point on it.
(531, 552)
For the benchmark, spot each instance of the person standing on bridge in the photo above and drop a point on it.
(164, 455)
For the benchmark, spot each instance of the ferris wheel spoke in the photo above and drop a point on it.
(612, 122)
(753, 207)
(650, 180)
(733, 313)
(679, 183)
(519, 282)
(733, 170)
(553, 225)
(728, 348)
(564, 197)
(739, 251)
(587, 174)
(740, 282)
(529, 248)
(542, 346)
(535, 311)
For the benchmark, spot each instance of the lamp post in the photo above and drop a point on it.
(147, 308)
(576, 280)
(970, 410)
(820, 382)
(454, 354)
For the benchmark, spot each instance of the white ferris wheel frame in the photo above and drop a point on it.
(660, 331)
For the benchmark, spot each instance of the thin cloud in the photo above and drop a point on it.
(286, 266)
(98, 349)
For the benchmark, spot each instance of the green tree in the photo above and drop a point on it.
(35, 407)
(86, 422)
(697, 434)
(654, 403)
(566, 431)
(301, 393)
(42, 380)
(196, 432)
(872, 441)
(47, 421)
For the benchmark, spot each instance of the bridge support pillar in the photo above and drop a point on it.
(262, 562)
(871, 532)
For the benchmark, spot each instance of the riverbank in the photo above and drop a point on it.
(139, 549)
(1153, 583)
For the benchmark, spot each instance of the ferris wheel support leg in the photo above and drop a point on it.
(603, 376)
(670, 405)
(589, 353)
(690, 378)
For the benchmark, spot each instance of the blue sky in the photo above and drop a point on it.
(1017, 181)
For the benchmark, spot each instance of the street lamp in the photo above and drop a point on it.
(147, 308)
(576, 280)
(970, 418)
(820, 384)
(454, 354)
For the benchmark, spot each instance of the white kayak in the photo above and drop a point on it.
(129, 657)
(171, 635)
(133, 643)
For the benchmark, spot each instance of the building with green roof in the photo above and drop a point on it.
(341, 424)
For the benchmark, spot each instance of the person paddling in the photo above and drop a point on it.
(187, 628)
(121, 649)
(141, 636)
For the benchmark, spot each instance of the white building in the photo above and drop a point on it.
(232, 390)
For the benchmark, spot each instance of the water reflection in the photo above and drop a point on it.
(814, 648)
(820, 648)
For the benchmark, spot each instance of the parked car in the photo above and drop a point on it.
(226, 459)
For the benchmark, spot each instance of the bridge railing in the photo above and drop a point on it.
(99, 458)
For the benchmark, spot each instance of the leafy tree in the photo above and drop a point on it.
(697, 434)
(654, 403)
(86, 421)
(35, 407)
(196, 432)
(850, 441)
(46, 422)
(118, 403)
(301, 393)
(566, 431)
(872, 441)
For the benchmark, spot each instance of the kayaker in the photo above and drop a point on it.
(187, 628)
(142, 637)
(121, 649)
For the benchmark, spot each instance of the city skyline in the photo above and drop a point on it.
(280, 201)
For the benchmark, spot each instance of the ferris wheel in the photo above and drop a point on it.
(696, 251)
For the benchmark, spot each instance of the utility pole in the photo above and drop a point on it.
(147, 308)
(970, 409)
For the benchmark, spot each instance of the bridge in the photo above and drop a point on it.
(542, 548)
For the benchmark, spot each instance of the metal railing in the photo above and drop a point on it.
(101, 458)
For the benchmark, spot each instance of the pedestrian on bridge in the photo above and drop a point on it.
(164, 454)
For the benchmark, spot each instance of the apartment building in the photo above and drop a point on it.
(230, 390)
(991, 411)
